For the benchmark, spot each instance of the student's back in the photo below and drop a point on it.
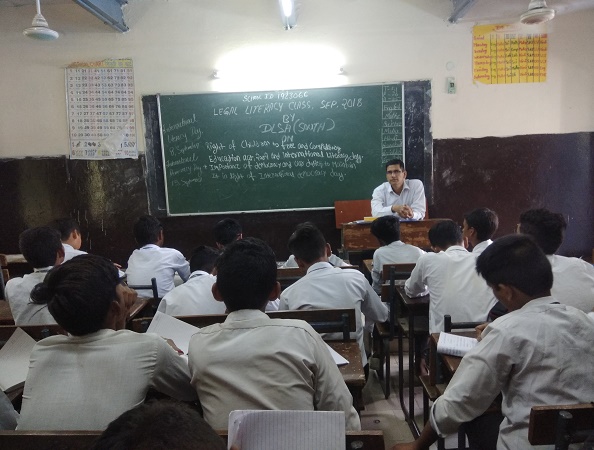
(573, 282)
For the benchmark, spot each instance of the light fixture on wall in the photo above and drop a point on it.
(288, 13)
(538, 12)
(39, 28)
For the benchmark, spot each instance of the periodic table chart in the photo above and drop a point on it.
(101, 109)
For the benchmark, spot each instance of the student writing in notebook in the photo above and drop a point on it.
(540, 353)
(86, 379)
(251, 361)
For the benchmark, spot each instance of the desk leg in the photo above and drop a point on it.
(411, 376)
(401, 372)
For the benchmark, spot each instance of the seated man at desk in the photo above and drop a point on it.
(325, 286)
(573, 278)
(398, 196)
(540, 353)
(392, 251)
(251, 361)
(450, 278)
(85, 380)
(42, 248)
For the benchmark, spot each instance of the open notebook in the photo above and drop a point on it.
(452, 344)
(287, 430)
(14, 360)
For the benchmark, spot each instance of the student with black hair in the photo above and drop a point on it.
(226, 231)
(86, 379)
(251, 361)
(160, 425)
(392, 250)
(573, 278)
(43, 249)
(325, 286)
(478, 227)
(448, 275)
(70, 235)
(540, 353)
(195, 295)
(152, 260)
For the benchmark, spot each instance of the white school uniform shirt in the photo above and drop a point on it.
(481, 246)
(541, 354)
(152, 261)
(573, 282)
(455, 287)
(194, 297)
(70, 252)
(251, 361)
(328, 287)
(413, 195)
(85, 382)
(396, 252)
(18, 293)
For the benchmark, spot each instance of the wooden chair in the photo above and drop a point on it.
(152, 287)
(76, 440)
(322, 320)
(560, 425)
(350, 210)
(385, 332)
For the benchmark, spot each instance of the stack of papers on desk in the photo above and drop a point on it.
(455, 345)
(287, 430)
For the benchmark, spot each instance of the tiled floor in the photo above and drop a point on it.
(386, 414)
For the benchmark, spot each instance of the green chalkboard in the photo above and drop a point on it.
(278, 150)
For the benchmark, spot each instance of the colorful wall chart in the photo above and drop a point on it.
(502, 54)
(101, 113)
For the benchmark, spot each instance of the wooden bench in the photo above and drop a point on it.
(560, 424)
(321, 320)
(77, 440)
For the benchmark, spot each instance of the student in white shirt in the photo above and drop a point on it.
(43, 249)
(540, 353)
(194, 297)
(226, 231)
(251, 361)
(478, 228)
(451, 279)
(152, 260)
(392, 251)
(325, 286)
(70, 235)
(573, 278)
(86, 379)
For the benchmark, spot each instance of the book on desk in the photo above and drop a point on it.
(455, 345)
(14, 360)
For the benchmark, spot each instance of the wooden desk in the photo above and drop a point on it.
(414, 307)
(139, 306)
(5, 314)
(358, 237)
(352, 373)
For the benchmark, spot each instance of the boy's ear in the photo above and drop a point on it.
(300, 263)
(60, 256)
(216, 293)
(328, 250)
(275, 292)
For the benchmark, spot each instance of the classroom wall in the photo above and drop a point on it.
(486, 138)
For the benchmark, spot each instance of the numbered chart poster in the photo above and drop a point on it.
(101, 113)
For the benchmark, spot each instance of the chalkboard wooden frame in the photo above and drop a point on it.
(418, 148)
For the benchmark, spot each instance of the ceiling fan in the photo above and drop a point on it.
(39, 28)
(538, 12)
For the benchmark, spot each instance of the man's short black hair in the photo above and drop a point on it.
(147, 230)
(65, 226)
(546, 227)
(386, 229)
(516, 260)
(445, 233)
(79, 292)
(484, 221)
(246, 274)
(40, 246)
(307, 243)
(227, 231)
(161, 425)
(395, 162)
(203, 258)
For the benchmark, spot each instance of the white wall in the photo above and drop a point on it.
(176, 45)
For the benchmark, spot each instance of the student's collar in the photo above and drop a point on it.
(43, 269)
(197, 273)
(319, 265)
(147, 246)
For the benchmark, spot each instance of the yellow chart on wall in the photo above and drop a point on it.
(504, 55)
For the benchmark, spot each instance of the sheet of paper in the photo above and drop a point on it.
(337, 357)
(287, 430)
(14, 359)
(452, 344)
(171, 328)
